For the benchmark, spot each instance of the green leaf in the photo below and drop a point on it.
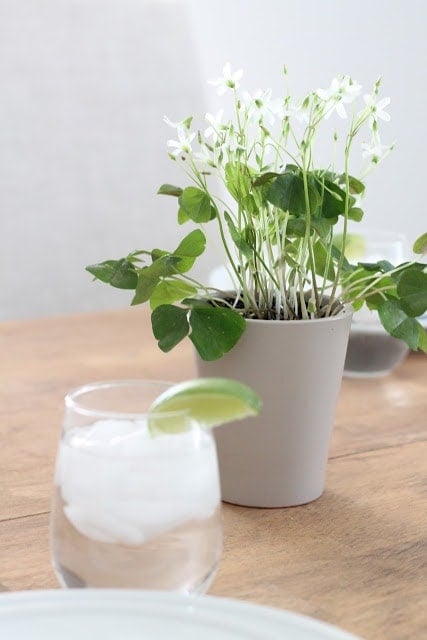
(412, 291)
(158, 253)
(265, 177)
(182, 216)
(168, 291)
(170, 325)
(192, 246)
(149, 277)
(385, 266)
(294, 264)
(422, 338)
(170, 190)
(356, 186)
(357, 305)
(333, 200)
(420, 244)
(321, 261)
(238, 180)
(215, 330)
(296, 227)
(337, 254)
(382, 266)
(118, 273)
(287, 193)
(356, 214)
(368, 281)
(196, 302)
(249, 205)
(409, 266)
(238, 238)
(197, 205)
(375, 300)
(396, 322)
(323, 226)
(292, 168)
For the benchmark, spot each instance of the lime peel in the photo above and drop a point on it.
(210, 402)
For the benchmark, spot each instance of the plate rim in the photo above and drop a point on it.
(200, 604)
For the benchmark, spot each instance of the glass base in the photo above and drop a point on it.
(372, 353)
(69, 580)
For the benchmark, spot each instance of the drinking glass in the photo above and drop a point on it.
(371, 351)
(131, 510)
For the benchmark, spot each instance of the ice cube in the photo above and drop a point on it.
(119, 485)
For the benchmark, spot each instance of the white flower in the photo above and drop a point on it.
(377, 108)
(203, 158)
(174, 125)
(215, 124)
(375, 150)
(295, 111)
(261, 105)
(183, 144)
(342, 90)
(228, 80)
(183, 124)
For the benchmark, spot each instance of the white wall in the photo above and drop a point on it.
(83, 88)
(84, 85)
(318, 39)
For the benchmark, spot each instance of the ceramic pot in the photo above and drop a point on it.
(279, 458)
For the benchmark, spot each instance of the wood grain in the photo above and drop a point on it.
(355, 557)
(351, 554)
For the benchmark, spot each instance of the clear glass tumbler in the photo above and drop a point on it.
(131, 510)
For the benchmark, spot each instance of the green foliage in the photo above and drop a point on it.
(356, 214)
(399, 295)
(333, 200)
(190, 248)
(289, 193)
(356, 187)
(150, 277)
(169, 190)
(214, 330)
(323, 261)
(170, 325)
(238, 238)
(399, 324)
(283, 224)
(118, 273)
(168, 291)
(197, 205)
(420, 244)
(412, 291)
(238, 180)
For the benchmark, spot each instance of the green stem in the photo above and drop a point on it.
(339, 267)
(373, 281)
(308, 242)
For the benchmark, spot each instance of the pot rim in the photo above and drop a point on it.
(344, 313)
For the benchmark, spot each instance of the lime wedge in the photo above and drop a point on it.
(208, 401)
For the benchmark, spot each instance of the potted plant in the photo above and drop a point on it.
(284, 228)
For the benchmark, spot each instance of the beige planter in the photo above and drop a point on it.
(279, 458)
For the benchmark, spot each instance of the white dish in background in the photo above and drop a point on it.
(91, 614)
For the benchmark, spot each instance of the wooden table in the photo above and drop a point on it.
(354, 558)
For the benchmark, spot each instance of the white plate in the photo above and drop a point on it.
(91, 614)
